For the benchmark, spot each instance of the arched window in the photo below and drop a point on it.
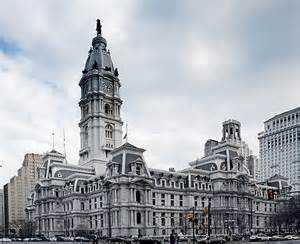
(109, 131)
(138, 196)
(107, 109)
(138, 218)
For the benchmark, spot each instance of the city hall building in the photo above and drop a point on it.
(114, 192)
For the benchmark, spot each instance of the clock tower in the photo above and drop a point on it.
(100, 104)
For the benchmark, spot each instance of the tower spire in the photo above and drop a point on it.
(99, 27)
(94, 153)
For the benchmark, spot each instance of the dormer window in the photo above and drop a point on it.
(138, 170)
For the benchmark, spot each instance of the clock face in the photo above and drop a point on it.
(108, 87)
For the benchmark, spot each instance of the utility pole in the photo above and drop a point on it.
(66, 223)
(208, 220)
(193, 225)
(39, 219)
(251, 215)
(109, 212)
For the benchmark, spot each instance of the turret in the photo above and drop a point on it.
(231, 130)
(100, 103)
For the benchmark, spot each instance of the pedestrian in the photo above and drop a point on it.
(173, 237)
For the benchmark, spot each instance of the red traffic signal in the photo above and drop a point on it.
(190, 216)
(270, 194)
(205, 210)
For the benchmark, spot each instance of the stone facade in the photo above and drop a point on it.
(100, 104)
(114, 193)
(134, 200)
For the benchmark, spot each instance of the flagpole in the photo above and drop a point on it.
(52, 140)
(64, 145)
(126, 132)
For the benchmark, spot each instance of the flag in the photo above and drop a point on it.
(125, 136)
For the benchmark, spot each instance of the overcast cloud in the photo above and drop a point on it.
(185, 67)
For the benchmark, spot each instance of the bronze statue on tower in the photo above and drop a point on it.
(98, 27)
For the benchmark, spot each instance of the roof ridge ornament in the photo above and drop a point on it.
(99, 27)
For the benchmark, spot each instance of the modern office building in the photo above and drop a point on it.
(2, 212)
(6, 209)
(18, 190)
(279, 147)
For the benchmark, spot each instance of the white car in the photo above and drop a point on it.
(53, 238)
(254, 238)
(263, 237)
(5, 240)
(291, 237)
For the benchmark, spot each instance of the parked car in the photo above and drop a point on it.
(276, 238)
(254, 238)
(263, 237)
(33, 239)
(292, 237)
(60, 238)
(4, 239)
(81, 239)
(53, 238)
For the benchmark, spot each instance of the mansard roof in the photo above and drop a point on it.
(277, 177)
(129, 147)
(54, 151)
(99, 57)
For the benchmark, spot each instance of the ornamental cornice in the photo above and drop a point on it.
(90, 117)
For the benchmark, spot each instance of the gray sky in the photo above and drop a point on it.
(185, 67)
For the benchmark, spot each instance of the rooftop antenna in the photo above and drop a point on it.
(52, 140)
(64, 145)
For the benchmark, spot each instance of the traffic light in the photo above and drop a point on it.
(190, 216)
(270, 194)
(205, 210)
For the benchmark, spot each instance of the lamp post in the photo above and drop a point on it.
(208, 220)
(109, 198)
(66, 225)
(193, 225)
